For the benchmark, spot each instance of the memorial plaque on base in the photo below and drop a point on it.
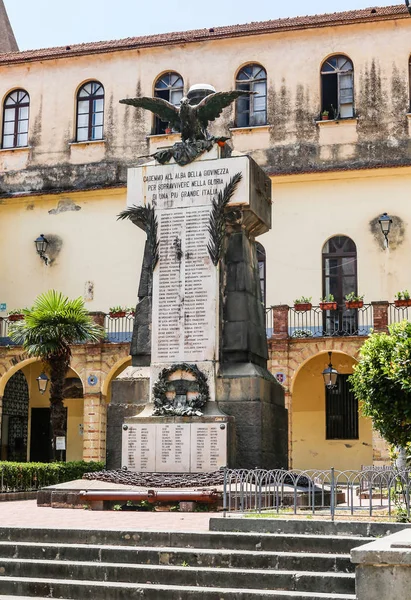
(175, 447)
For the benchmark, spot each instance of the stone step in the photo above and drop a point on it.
(78, 590)
(304, 526)
(268, 542)
(243, 559)
(266, 579)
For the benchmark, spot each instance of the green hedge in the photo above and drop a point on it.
(23, 477)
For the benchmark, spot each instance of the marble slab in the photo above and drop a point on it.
(175, 447)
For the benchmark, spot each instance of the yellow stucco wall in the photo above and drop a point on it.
(310, 449)
(95, 248)
(308, 210)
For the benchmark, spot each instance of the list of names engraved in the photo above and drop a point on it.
(208, 447)
(172, 447)
(138, 447)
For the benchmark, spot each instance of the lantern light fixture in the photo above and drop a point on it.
(41, 247)
(330, 375)
(42, 382)
(385, 222)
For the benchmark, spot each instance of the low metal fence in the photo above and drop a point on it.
(119, 329)
(370, 492)
(319, 323)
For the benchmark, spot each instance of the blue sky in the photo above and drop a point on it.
(45, 23)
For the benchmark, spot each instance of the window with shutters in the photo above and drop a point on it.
(16, 120)
(170, 87)
(252, 109)
(337, 81)
(341, 411)
(90, 112)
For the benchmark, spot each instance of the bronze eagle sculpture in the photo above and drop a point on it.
(189, 120)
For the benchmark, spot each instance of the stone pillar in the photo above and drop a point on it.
(280, 321)
(380, 310)
(94, 415)
(98, 317)
(384, 567)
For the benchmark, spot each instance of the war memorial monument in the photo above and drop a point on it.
(198, 395)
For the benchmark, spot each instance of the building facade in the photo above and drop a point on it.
(329, 122)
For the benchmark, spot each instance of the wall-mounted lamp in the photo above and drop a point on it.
(385, 224)
(330, 375)
(42, 382)
(41, 246)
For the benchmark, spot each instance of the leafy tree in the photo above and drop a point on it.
(48, 330)
(382, 383)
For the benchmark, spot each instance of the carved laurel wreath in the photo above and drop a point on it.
(217, 224)
(164, 407)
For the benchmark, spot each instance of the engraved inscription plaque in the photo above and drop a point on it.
(208, 446)
(175, 447)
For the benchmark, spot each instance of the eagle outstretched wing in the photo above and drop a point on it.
(212, 106)
(163, 109)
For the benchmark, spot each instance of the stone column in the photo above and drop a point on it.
(98, 317)
(380, 310)
(94, 416)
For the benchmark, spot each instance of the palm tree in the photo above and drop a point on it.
(48, 330)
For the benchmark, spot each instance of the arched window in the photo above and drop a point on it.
(261, 269)
(170, 87)
(16, 119)
(90, 112)
(337, 81)
(252, 110)
(339, 263)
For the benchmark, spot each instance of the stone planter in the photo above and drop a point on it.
(328, 305)
(402, 303)
(354, 304)
(15, 317)
(303, 306)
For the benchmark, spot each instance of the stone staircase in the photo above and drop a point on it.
(238, 559)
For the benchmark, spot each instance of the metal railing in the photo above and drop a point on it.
(119, 329)
(396, 314)
(4, 332)
(371, 492)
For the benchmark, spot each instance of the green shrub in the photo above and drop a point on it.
(15, 476)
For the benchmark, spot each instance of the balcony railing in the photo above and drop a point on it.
(396, 314)
(119, 329)
(284, 321)
(319, 323)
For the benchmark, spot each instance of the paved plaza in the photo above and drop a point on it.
(27, 514)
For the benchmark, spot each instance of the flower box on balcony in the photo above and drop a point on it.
(15, 317)
(302, 306)
(403, 302)
(354, 303)
(328, 305)
(117, 315)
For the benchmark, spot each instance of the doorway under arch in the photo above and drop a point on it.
(327, 430)
(15, 419)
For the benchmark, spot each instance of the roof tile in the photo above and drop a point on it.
(371, 14)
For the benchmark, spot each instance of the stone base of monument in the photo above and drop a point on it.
(255, 399)
(178, 444)
(129, 393)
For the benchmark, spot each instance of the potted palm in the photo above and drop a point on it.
(49, 329)
(354, 301)
(328, 303)
(402, 298)
(16, 315)
(116, 312)
(303, 304)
